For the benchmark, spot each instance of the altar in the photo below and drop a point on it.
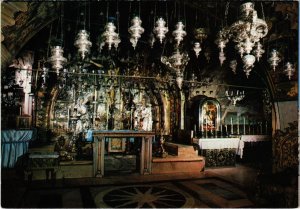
(218, 151)
(146, 138)
(255, 148)
(14, 144)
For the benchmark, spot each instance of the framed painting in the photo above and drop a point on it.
(116, 144)
(24, 122)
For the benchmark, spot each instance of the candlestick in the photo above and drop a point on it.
(206, 128)
(260, 124)
(244, 126)
(221, 128)
(68, 118)
(20, 110)
(249, 127)
(266, 127)
(231, 126)
(238, 125)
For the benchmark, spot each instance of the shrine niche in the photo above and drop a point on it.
(209, 115)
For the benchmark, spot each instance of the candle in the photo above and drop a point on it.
(231, 125)
(266, 127)
(249, 127)
(226, 128)
(68, 119)
(221, 127)
(238, 125)
(244, 126)
(260, 124)
(192, 134)
(206, 128)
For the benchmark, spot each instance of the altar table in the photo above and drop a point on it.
(218, 151)
(145, 153)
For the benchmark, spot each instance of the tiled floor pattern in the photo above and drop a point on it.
(211, 192)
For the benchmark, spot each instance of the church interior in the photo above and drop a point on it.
(139, 104)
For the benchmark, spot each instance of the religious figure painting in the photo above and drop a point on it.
(116, 144)
(209, 115)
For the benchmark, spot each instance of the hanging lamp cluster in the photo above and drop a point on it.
(246, 33)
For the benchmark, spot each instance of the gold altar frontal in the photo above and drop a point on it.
(145, 151)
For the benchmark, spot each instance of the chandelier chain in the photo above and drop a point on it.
(262, 11)
(226, 11)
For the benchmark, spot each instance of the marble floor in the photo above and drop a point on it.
(231, 187)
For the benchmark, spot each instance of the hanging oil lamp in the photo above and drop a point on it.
(197, 49)
(109, 36)
(82, 43)
(179, 33)
(232, 65)
(248, 61)
(135, 30)
(258, 51)
(160, 30)
(57, 60)
(151, 40)
(289, 70)
(274, 59)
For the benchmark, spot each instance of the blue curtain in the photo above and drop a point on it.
(14, 143)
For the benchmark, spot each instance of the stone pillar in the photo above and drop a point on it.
(98, 159)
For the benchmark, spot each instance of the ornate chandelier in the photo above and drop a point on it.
(135, 30)
(160, 30)
(57, 60)
(179, 33)
(246, 33)
(82, 43)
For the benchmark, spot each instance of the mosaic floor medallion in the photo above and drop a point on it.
(143, 196)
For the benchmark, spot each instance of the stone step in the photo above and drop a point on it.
(176, 164)
(180, 149)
